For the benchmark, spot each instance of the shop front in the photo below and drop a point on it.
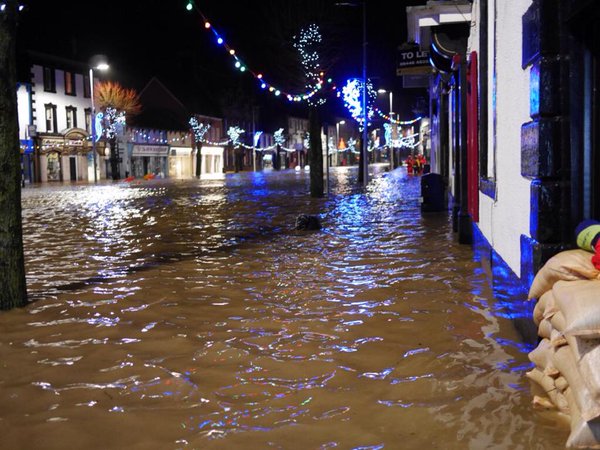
(149, 159)
(64, 156)
(212, 160)
(180, 162)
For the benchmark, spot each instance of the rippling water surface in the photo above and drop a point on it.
(187, 314)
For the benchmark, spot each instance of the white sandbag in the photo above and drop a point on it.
(569, 265)
(587, 354)
(561, 383)
(584, 434)
(547, 386)
(558, 321)
(557, 339)
(545, 307)
(541, 356)
(545, 329)
(564, 360)
(579, 302)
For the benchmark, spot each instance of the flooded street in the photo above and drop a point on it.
(190, 314)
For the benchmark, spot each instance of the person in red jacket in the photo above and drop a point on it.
(410, 164)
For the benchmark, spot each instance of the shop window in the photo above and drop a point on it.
(71, 116)
(70, 83)
(49, 79)
(50, 115)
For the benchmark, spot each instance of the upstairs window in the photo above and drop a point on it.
(88, 120)
(86, 86)
(70, 83)
(71, 117)
(49, 79)
(50, 115)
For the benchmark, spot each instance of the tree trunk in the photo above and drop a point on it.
(277, 162)
(114, 159)
(13, 291)
(315, 159)
(198, 159)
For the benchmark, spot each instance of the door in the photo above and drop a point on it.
(73, 167)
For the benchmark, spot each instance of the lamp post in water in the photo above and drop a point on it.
(98, 62)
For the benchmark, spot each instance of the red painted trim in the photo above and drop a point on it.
(472, 138)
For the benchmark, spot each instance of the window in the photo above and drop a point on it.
(70, 83)
(49, 80)
(50, 118)
(71, 116)
(88, 120)
(86, 86)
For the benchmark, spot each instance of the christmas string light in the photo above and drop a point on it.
(238, 63)
(397, 122)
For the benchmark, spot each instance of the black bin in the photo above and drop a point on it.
(433, 196)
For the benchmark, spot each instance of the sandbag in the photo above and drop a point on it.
(545, 328)
(557, 339)
(579, 302)
(587, 354)
(564, 360)
(570, 265)
(541, 356)
(561, 383)
(545, 307)
(547, 385)
(584, 434)
(558, 321)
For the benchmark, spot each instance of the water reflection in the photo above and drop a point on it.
(190, 314)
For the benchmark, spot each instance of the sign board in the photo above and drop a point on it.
(150, 150)
(412, 61)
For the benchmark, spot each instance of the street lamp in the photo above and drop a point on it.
(383, 91)
(98, 62)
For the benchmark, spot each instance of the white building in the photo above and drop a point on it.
(514, 120)
(55, 113)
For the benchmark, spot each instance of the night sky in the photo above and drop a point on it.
(146, 38)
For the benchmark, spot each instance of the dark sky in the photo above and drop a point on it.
(146, 38)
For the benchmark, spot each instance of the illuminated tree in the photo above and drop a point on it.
(116, 102)
(199, 130)
(12, 263)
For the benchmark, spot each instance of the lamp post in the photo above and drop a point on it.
(365, 152)
(100, 64)
(383, 91)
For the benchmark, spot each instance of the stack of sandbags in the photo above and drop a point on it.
(567, 359)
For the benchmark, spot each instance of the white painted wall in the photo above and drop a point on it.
(503, 221)
(58, 98)
(23, 110)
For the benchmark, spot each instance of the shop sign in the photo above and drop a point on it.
(150, 150)
(412, 60)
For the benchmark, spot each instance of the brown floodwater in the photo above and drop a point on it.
(191, 314)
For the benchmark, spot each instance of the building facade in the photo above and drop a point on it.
(514, 119)
(55, 119)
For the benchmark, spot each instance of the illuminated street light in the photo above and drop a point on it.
(98, 62)
(383, 91)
